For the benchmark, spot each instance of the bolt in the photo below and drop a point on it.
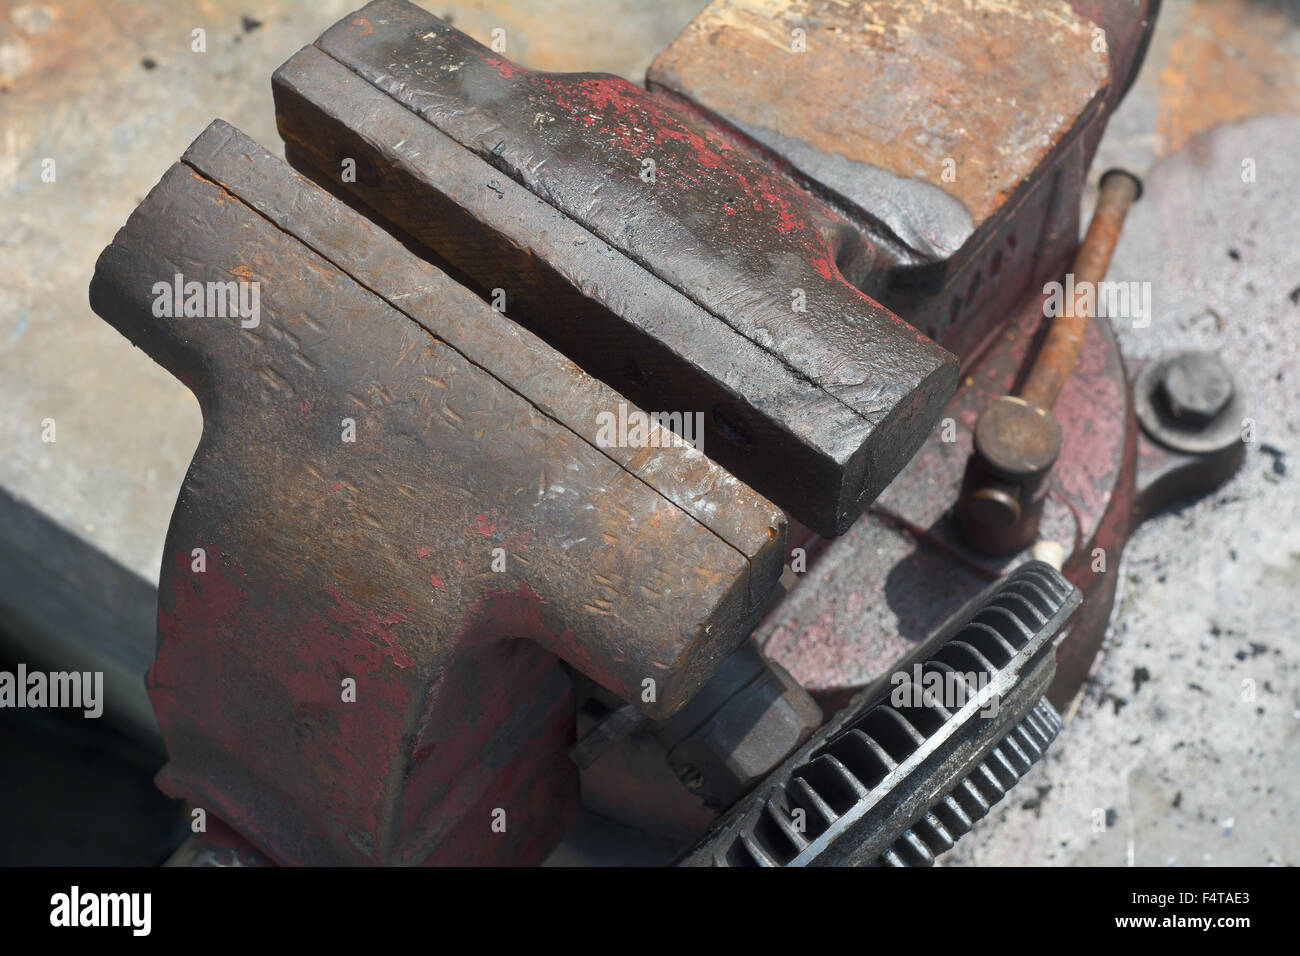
(1195, 387)
(691, 778)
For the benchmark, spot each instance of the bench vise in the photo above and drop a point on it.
(557, 386)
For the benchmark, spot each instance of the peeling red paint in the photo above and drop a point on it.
(502, 66)
(487, 526)
(370, 622)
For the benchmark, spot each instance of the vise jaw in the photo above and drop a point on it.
(398, 523)
(637, 238)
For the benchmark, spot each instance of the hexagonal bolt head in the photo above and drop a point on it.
(747, 738)
(1195, 387)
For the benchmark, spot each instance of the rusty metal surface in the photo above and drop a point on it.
(1004, 489)
(733, 240)
(1226, 61)
(683, 475)
(371, 560)
(907, 546)
(1017, 438)
(1119, 190)
(931, 124)
(606, 313)
(834, 633)
(113, 92)
(887, 95)
(1222, 59)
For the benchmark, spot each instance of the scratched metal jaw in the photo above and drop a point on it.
(471, 536)
(637, 238)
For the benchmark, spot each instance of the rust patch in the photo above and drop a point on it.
(900, 85)
(1227, 62)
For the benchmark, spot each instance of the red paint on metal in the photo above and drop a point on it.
(379, 629)
(300, 676)
(639, 121)
(908, 545)
(211, 614)
(502, 66)
(487, 526)
(461, 717)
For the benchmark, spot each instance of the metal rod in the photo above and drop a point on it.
(1055, 360)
